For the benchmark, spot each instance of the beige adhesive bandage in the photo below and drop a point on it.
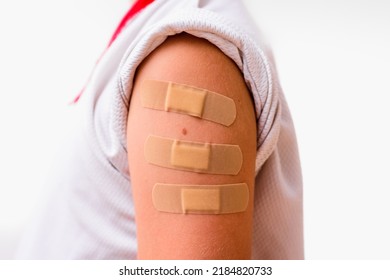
(193, 156)
(200, 199)
(183, 99)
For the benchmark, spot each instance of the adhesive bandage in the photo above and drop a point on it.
(200, 199)
(193, 156)
(183, 99)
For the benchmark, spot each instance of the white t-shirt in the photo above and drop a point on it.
(89, 213)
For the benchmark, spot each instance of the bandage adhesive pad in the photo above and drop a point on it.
(224, 159)
(201, 199)
(184, 99)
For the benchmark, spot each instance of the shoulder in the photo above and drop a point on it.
(186, 60)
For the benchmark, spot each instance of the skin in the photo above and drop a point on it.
(189, 60)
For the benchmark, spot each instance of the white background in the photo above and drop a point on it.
(334, 63)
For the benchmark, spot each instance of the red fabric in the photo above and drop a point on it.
(137, 7)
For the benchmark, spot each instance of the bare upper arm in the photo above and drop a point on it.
(189, 60)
